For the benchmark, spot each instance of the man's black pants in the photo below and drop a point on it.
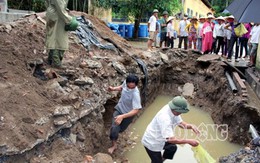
(233, 41)
(157, 157)
(185, 39)
(116, 129)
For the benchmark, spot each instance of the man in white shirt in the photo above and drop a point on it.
(152, 29)
(159, 133)
(183, 34)
(254, 40)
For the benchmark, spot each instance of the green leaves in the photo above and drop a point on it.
(139, 7)
(135, 10)
(219, 6)
(38, 5)
(34, 5)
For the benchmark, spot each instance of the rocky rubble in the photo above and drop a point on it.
(243, 155)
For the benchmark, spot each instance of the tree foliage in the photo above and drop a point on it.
(39, 5)
(32, 5)
(78, 5)
(219, 6)
(127, 8)
(137, 8)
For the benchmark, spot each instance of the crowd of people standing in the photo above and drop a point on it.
(208, 35)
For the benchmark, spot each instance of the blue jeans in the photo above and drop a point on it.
(199, 44)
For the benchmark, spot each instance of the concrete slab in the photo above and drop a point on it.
(253, 99)
(242, 63)
(253, 81)
(13, 15)
(208, 58)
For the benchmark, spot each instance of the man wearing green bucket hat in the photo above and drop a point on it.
(59, 22)
(159, 134)
(163, 23)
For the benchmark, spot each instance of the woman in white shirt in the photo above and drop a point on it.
(219, 33)
(170, 32)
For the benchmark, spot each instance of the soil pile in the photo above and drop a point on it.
(33, 111)
(68, 116)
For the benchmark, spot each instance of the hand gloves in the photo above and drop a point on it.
(72, 26)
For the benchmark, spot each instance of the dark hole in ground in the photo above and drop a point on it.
(203, 65)
(109, 110)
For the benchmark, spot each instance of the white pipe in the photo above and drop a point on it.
(253, 131)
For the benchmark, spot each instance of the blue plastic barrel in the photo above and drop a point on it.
(129, 30)
(122, 29)
(113, 26)
(142, 32)
(147, 33)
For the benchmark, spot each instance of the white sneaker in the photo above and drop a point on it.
(237, 60)
(229, 60)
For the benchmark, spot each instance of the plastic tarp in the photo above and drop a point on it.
(87, 37)
(143, 68)
(113, 26)
(202, 156)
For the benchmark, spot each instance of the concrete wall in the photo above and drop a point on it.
(253, 82)
(8, 17)
(3, 6)
(197, 6)
(12, 15)
(103, 14)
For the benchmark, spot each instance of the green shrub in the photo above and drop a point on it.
(39, 5)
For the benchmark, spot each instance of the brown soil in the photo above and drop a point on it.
(27, 129)
(24, 98)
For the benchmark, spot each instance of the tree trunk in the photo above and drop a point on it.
(136, 26)
(84, 6)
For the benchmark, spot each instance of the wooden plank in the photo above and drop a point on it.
(233, 67)
(239, 80)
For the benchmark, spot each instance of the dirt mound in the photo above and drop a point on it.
(23, 99)
(28, 103)
(67, 117)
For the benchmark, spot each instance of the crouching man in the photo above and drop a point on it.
(128, 106)
(159, 134)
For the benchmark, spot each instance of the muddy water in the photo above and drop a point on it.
(215, 142)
